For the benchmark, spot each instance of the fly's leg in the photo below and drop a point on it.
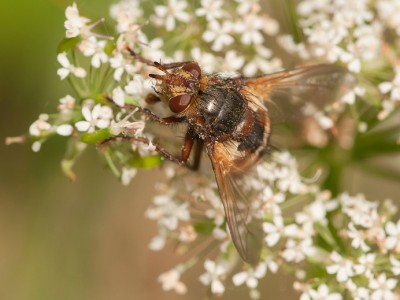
(156, 64)
(190, 139)
(159, 149)
(148, 113)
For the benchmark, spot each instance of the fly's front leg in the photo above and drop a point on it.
(148, 113)
(156, 64)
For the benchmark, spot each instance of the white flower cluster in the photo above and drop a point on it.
(223, 23)
(338, 30)
(360, 254)
(357, 34)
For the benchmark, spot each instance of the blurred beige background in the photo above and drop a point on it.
(82, 240)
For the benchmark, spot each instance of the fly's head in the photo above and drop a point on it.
(179, 87)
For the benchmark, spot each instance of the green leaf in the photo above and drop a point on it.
(67, 44)
(96, 136)
(148, 162)
(205, 227)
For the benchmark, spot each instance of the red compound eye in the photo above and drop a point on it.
(178, 104)
(193, 68)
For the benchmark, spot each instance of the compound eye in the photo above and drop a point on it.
(193, 68)
(179, 103)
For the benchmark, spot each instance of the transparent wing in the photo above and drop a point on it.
(286, 94)
(245, 232)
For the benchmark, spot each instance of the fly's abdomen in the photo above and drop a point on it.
(255, 140)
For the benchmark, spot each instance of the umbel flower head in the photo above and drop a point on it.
(335, 243)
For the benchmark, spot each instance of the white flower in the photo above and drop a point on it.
(250, 28)
(383, 287)
(360, 211)
(321, 293)
(219, 233)
(232, 61)
(126, 127)
(296, 251)
(358, 292)
(388, 13)
(271, 264)
(36, 145)
(366, 265)
(40, 125)
(357, 237)
(324, 121)
(213, 275)
(350, 96)
(98, 117)
(262, 62)
(168, 212)
(247, 6)
(211, 9)
(251, 276)
(65, 129)
(219, 34)
(121, 65)
(68, 68)
(126, 13)
(171, 281)
(395, 265)
(154, 50)
(158, 242)
(166, 15)
(67, 104)
(273, 231)
(75, 24)
(94, 48)
(342, 267)
(118, 96)
(270, 201)
(314, 212)
(392, 240)
(392, 87)
(127, 175)
(137, 87)
(206, 60)
(187, 234)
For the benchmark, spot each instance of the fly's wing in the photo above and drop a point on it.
(286, 94)
(246, 233)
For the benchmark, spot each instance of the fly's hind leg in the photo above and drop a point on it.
(189, 141)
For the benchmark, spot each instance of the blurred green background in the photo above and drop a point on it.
(82, 240)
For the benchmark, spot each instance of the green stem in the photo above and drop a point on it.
(111, 164)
